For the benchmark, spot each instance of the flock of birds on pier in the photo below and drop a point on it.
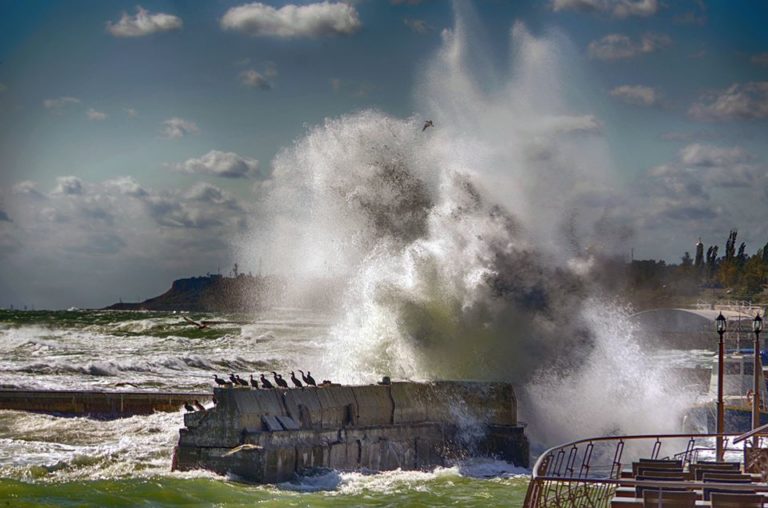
(266, 384)
(236, 381)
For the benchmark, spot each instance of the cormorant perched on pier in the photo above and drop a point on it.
(307, 378)
(296, 380)
(427, 124)
(279, 380)
(188, 407)
(198, 406)
(233, 378)
(265, 382)
(254, 383)
(219, 381)
(241, 381)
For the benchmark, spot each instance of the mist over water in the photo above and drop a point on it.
(465, 249)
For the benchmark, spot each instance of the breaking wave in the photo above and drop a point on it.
(469, 249)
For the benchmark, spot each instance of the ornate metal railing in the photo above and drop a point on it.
(586, 473)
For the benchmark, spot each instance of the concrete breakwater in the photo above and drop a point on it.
(268, 436)
(96, 403)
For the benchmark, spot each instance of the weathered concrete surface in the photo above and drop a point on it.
(96, 403)
(270, 435)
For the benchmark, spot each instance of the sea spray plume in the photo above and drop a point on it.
(450, 244)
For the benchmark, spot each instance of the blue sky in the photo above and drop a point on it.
(133, 132)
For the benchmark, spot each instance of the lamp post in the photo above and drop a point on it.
(757, 327)
(720, 326)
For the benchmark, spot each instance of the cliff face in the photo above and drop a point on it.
(213, 293)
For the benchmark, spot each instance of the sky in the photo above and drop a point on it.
(136, 139)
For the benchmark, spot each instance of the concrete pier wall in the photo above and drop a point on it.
(96, 403)
(270, 435)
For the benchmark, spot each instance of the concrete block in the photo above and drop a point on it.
(288, 423)
(410, 401)
(338, 406)
(304, 407)
(374, 405)
(271, 423)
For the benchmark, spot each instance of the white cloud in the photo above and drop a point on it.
(175, 128)
(587, 124)
(292, 21)
(143, 23)
(94, 115)
(56, 105)
(418, 26)
(68, 186)
(738, 101)
(27, 188)
(253, 79)
(636, 94)
(614, 47)
(132, 113)
(697, 154)
(617, 8)
(127, 186)
(223, 164)
(760, 59)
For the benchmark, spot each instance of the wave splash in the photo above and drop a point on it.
(462, 247)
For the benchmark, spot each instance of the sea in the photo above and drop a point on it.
(50, 460)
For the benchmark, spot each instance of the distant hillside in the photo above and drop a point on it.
(213, 293)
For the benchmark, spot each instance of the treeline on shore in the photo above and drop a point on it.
(707, 276)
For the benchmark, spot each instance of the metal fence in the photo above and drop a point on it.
(586, 473)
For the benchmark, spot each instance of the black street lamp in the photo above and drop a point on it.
(720, 326)
(757, 327)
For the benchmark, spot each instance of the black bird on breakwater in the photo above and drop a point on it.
(241, 381)
(219, 381)
(296, 380)
(198, 406)
(188, 407)
(427, 124)
(307, 378)
(265, 382)
(254, 383)
(233, 379)
(279, 380)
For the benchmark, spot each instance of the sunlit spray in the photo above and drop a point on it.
(465, 249)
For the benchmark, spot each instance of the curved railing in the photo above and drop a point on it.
(587, 472)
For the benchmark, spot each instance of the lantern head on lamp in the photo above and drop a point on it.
(720, 323)
(757, 324)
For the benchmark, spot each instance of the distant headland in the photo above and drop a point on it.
(214, 293)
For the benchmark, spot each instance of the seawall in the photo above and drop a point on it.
(269, 436)
(96, 403)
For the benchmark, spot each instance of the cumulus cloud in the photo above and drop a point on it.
(27, 188)
(737, 102)
(176, 128)
(254, 79)
(127, 186)
(617, 8)
(223, 164)
(143, 23)
(57, 105)
(293, 21)
(130, 112)
(614, 47)
(636, 94)
(418, 26)
(94, 115)
(760, 59)
(68, 186)
(587, 124)
(697, 154)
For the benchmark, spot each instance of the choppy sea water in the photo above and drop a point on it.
(54, 461)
